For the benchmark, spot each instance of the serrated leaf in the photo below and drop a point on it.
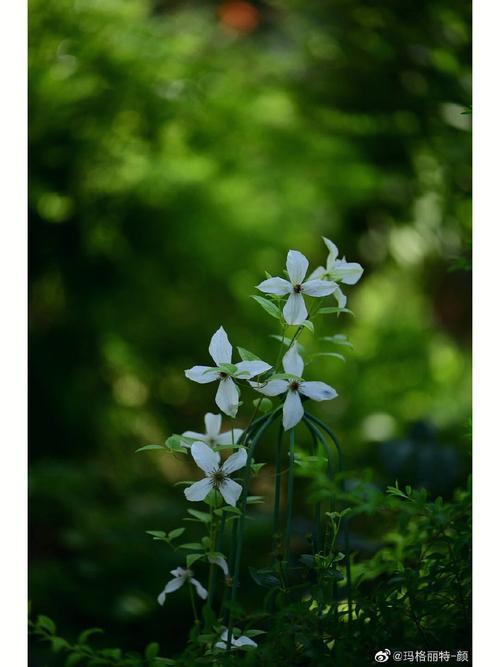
(270, 308)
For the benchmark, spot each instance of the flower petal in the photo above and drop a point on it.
(244, 641)
(227, 397)
(172, 586)
(296, 265)
(292, 410)
(229, 437)
(249, 369)
(221, 562)
(205, 457)
(202, 374)
(318, 391)
(318, 274)
(198, 490)
(347, 272)
(235, 461)
(212, 425)
(230, 491)
(275, 286)
(341, 297)
(271, 388)
(220, 348)
(295, 310)
(333, 253)
(202, 592)
(293, 362)
(318, 288)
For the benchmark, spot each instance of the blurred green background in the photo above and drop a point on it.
(177, 151)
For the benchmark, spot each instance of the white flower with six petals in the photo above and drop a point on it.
(182, 575)
(213, 437)
(293, 411)
(295, 311)
(221, 350)
(216, 476)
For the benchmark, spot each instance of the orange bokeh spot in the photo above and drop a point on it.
(240, 16)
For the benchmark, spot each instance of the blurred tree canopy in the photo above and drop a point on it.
(177, 150)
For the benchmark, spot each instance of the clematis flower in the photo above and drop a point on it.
(213, 437)
(216, 476)
(293, 410)
(242, 640)
(221, 350)
(338, 271)
(218, 559)
(181, 575)
(295, 311)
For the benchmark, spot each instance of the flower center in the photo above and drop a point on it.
(223, 375)
(297, 288)
(294, 385)
(218, 477)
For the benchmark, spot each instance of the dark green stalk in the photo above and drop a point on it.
(277, 495)
(239, 530)
(289, 493)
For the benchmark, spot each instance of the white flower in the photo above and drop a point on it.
(293, 410)
(180, 577)
(235, 643)
(213, 437)
(221, 350)
(338, 271)
(218, 559)
(295, 311)
(216, 476)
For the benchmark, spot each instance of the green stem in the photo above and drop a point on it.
(277, 496)
(193, 603)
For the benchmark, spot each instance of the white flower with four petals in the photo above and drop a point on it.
(338, 271)
(293, 411)
(216, 476)
(182, 575)
(295, 311)
(213, 437)
(221, 351)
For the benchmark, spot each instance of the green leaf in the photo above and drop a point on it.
(328, 354)
(327, 311)
(338, 339)
(58, 643)
(148, 447)
(157, 534)
(307, 324)
(175, 533)
(175, 444)
(270, 308)
(163, 661)
(255, 500)
(192, 558)
(191, 546)
(254, 633)
(263, 404)
(265, 577)
(73, 659)
(152, 650)
(46, 624)
(204, 517)
(247, 356)
(83, 636)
